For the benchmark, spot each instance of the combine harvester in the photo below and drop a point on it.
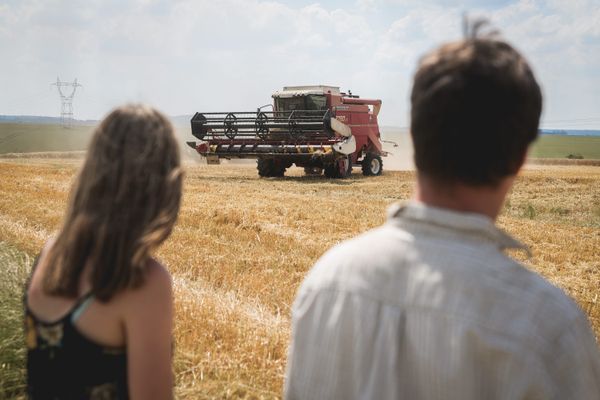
(315, 127)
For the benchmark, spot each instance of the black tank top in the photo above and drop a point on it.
(64, 364)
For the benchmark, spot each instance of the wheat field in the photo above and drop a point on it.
(242, 246)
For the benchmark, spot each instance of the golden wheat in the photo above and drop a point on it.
(242, 246)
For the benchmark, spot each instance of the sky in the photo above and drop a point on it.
(184, 56)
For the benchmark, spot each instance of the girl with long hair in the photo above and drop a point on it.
(98, 307)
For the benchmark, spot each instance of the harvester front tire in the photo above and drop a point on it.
(331, 171)
(372, 165)
(341, 168)
(269, 168)
(313, 171)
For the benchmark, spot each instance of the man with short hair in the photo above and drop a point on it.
(428, 306)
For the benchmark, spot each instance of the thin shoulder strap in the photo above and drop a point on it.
(81, 306)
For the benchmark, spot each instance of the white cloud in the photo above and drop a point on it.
(562, 41)
(187, 55)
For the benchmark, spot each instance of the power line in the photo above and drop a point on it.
(66, 109)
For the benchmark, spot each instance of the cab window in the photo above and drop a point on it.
(309, 102)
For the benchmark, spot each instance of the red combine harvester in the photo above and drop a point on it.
(315, 127)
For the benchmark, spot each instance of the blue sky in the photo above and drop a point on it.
(194, 55)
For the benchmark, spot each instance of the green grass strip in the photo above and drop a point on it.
(14, 266)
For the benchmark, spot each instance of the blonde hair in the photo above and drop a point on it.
(123, 205)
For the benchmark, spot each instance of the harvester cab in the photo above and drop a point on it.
(315, 127)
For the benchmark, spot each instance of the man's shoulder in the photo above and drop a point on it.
(547, 307)
(368, 245)
(380, 263)
(354, 256)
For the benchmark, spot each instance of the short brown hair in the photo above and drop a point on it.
(124, 203)
(475, 109)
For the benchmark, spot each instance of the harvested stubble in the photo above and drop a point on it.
(242, 246)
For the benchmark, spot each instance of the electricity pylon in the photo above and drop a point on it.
(66, 100)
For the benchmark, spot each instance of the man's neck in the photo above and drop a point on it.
(486, 200)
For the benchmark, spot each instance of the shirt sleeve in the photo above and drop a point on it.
(575, 365)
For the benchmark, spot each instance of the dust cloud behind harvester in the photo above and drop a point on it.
(401, 157)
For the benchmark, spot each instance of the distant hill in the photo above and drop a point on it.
(177, 120)
(37, 119)
(184, 120)
(26, 134)
(564, 132)
(571, 132)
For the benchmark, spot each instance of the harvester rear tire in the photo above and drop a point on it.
(372, 165)
(267, 167)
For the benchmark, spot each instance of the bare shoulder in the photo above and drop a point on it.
(155, 290)
(157, 276)
(34, 288)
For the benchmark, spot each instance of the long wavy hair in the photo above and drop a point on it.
(123, 205)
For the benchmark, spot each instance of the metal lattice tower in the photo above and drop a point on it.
(66, 99)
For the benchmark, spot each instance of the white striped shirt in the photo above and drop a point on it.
(429, 307)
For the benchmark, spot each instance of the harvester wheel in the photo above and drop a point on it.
(331, 171)
(295, 131)
(313, 171)
(260, 125)
(341, 168)
(267, 167)
(230, 126)
(349, 166)
(372, 165)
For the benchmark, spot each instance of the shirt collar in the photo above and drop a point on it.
(469, 224)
